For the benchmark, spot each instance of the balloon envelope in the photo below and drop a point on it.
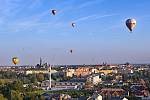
(70, 51)
(73, 24)
(54, 12)
(15, 60)
(131, 23)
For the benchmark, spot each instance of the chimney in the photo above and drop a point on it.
(40, 61)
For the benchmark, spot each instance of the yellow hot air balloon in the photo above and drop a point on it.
(15, 60)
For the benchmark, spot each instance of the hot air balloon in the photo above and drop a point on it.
(71, 51)
(131, 23)
(15, 60)
(54, 12)
(73, 24)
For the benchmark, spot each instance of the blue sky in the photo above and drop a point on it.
(29, 31)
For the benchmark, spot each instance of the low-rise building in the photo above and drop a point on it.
(111, 92)
(70, 72)
(62, 85)
(56, 96)
(80, 71)
(37, 71)
(94, 79)
(83, 71)
(95, 96)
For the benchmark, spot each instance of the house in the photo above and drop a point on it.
(80, 71)
(70, 72)
(146, 98)
(56, 96)
(95, 96)
(124, 98)
(138, 90)
(94, 79)
(106, 70)
(111, 92)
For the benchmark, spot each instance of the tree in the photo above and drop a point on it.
(2, 97)
(2, 81)
(31, 96)
(29, 88)
(16, 95)
(33, 79)
(40, 77)
(5, 90)
(17, 85)
(41, 98)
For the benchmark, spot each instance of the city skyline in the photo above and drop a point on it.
(29, 31)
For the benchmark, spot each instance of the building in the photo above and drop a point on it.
(94, 70)
(106, 72)
(94, 79)
(111, 92)
(70, 72)
(95, 96)
(62, 85)
(138, 90)
(124, 98)
(80, 71)
(37, 71)
(146, 98)
(56, 96)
